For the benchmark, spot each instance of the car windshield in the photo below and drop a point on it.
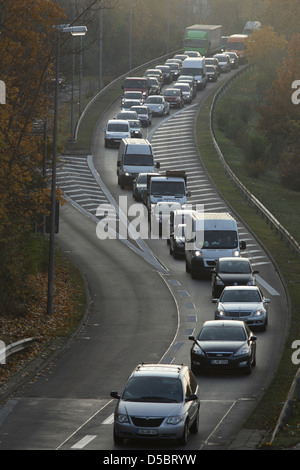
(234, 267)
(154, 99)
(216, 333)
(240, 295)
(220, 239)
(138, 160)
(135, 124)
(115, 127)
(173, 92)
(160, 188)
(153, 389)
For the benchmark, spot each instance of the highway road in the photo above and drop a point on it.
(143, 308)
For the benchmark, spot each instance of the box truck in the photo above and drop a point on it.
(206, 39)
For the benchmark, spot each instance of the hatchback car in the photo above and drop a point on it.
(246, 303)
(135, 128)
(115, 131)
(223, 345)
(127, 104)
(234, 59)
(139, 185)
(231, 271)
(133, 95)
(224, 61)
(155, 86)
(213, 61)
(158, 105)
(186, 89)
(144, 114)
(175, 70)
(155, 73)
(166, 71)
(212, 73)
(174, 97)
(129, 114)
(190, 80)
(159, 401)
(177, 241)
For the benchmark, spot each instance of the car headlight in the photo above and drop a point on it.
(197, 350)
(250, 283)
(219, 282)
(243, 351)
(221, 312)
(175, 419)
(236, 253)
(258, 313)
(198, 253)
(121, 418)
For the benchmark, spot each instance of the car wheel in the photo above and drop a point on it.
(117, 439)
(187, 267)
(195, 426)
(248, 369)
(184, 438)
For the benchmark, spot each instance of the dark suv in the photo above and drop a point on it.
(159, 401)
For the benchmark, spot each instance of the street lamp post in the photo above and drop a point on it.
(75, 31)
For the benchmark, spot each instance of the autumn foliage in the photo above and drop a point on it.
(26, 49)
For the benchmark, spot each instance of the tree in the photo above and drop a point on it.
(278, 111)
(26, 50)
(265, 50)
(282, 15)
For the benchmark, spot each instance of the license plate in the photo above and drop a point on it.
(219, 361)
(147, 432)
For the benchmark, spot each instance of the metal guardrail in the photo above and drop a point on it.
(294, 391)
(260, 208)
(287, 410)
(13, 348)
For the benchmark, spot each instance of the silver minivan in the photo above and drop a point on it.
(159, 401)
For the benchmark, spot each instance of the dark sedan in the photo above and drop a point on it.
(177, 241)
(235, 271)
(223, 345)
(212, 73)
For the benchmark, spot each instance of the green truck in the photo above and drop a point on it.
(203, 38)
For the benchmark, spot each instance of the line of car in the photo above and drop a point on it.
(145, 96)
(161, 401)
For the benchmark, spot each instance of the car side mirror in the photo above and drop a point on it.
(192, 397)
(115, 394)
(243, 245)
(215, 301)
(157, 165)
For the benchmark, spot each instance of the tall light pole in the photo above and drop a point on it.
(75, 31)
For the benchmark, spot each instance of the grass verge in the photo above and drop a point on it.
(268, 409)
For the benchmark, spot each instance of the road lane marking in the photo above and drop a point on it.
(83, 442)
(267, 286)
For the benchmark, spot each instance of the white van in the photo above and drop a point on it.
(196, 67)
(210, 236)
(115, 131)
(135, 156)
